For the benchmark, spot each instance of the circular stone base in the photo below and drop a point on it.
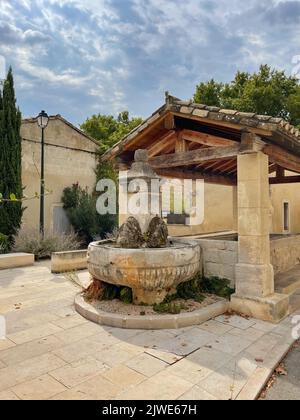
(157, 322)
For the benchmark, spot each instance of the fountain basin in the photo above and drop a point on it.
(151, 273)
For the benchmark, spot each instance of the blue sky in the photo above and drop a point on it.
(77, 58)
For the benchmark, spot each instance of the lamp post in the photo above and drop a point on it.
(42, 121)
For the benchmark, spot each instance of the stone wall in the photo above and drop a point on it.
(219, 258)
(285, 253)
(215, 220)
(280, 194)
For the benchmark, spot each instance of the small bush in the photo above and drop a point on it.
(109, 292)
(4, 244)
(81, 210)
(126, 295)
(190, 290)
(31, 241)
(168, 308)
(217, 286)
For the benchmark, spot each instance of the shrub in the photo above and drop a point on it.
(194, 289)
(190, 290)
(4, 244)
(217, 286)
(81, 210)
(168, 308)
(99, 290)
(31, 241)
(126, 295)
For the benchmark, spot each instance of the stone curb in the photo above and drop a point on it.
(260, 377)
(16, 260)
(67, 261)
(149, 322)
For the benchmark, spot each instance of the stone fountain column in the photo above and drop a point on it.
(139, 193)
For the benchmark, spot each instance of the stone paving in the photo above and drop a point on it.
(51, 352)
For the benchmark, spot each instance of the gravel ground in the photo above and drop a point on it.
(116, 306)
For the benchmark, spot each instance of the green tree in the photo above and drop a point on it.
(108, 129)
(80, 207)
(10, 160)
(209, 93)
(267, 92)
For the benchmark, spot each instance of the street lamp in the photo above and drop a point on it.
(42, 121)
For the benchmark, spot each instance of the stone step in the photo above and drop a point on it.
(289, 282)
(15, 260)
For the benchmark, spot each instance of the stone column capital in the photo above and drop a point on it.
(251, 143)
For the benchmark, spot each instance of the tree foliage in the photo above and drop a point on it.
(80, 207)
(108, 129)
(267, 92)
(81, 210)
(10, 161)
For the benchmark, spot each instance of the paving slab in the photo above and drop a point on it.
(146, 364)
(51, 352)
(74, 373)
(41, 388)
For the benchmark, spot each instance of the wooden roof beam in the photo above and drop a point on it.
(194, 157)
(284, 180)
(283, 158)
(209, 178)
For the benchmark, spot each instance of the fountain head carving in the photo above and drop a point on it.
(130, 234)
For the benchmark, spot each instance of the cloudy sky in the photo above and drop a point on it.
(79, 57)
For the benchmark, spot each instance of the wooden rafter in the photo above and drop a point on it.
(209, 166)
(206, 139)
(225, 166)
(160, 144)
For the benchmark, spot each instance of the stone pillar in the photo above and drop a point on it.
(254, 272)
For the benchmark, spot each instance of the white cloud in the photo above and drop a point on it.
(110, 54)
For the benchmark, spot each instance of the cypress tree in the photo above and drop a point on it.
(10, 160)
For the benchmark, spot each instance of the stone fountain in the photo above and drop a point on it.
(142, 257)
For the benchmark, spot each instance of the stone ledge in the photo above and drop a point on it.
(273, 308)
(149, 322)
(62, 262)
(16, 260)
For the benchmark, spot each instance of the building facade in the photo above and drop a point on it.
(70, 157)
